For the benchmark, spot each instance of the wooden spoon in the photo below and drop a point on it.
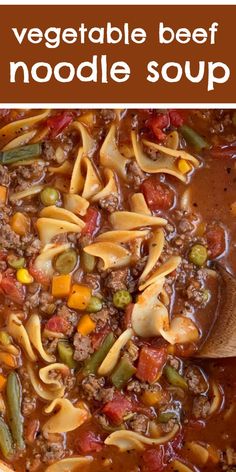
(221, 341)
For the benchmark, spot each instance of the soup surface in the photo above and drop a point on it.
(111, 224)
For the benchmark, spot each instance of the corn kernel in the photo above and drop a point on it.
(183, 166)
(23, 276)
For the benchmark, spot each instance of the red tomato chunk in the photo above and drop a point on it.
(58, 324)
(157, 195)
(150, 364)
(88, 442)
(11, 288)
(153, 460)
(58, 123)
(215, 236)
(92, 222)
(117, 408)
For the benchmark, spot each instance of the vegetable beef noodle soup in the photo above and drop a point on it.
(111, 224)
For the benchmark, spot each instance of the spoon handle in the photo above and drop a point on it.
(221, 341)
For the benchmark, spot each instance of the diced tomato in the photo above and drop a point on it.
(195, 425)
(117, 408)
(154, 459)
(97, 338)
(175, 118)
(92, 221)
(216, 243)
(88, 442)
(58, 123)
(11, 288)
(128, 315)
(150, 363)
(157, 195)
(58, 324)
(3, 255)
(158, 123)
(38, 275)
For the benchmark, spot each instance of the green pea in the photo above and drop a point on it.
(15, 262)
(121, 298)
(198, 254)
(95, 304)
(66, 261)
(88, 262)
(49, 196)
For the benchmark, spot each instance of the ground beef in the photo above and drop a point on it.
(8, 239)
(51, 452)
(136, 386)
(101, 318)
(93, 389)
(28, 405)
(78, 275)
(185, 226)
(34, 248)
(83, 347)
(194, 292)
(139, 267)
(46, 303)
(196, 382)
(117, 280)
(48, 151)
(93, 281)
(4, 176)
(107, 115)
(68, 315)
(33, 296)
(25, 176)
(201, 407)
(167, 427)
(135, 174)
(174, 362)
(139, 423)
(132, 351)
(109, 203)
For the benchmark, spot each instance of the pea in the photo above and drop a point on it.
(49, 196)
(15, 262)
(121, 298)
(95, 304)
(66, 261)
(198, 254)
(88, 262)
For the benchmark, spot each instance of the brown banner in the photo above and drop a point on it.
(191, 60)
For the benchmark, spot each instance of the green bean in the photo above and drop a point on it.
(122, 373)
(95, 304)
(121, 298)
(92, 364)
(88, 262)
(193, 138)
(66, 353)
(13, 391)
(198, 254)
(166, 416)
(66, 261)
(6, 443)
(23, 152)
(174, 378)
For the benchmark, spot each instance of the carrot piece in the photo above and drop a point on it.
(152, 398)
(3, 195)
(79, 297)
(61, 285)
(20, 224)
(3, 382)
(86, 325)
(8, 359)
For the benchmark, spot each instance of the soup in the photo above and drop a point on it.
(112, 225)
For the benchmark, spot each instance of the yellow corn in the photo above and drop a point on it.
(183, 166)
(23, 276)
(86, 325)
